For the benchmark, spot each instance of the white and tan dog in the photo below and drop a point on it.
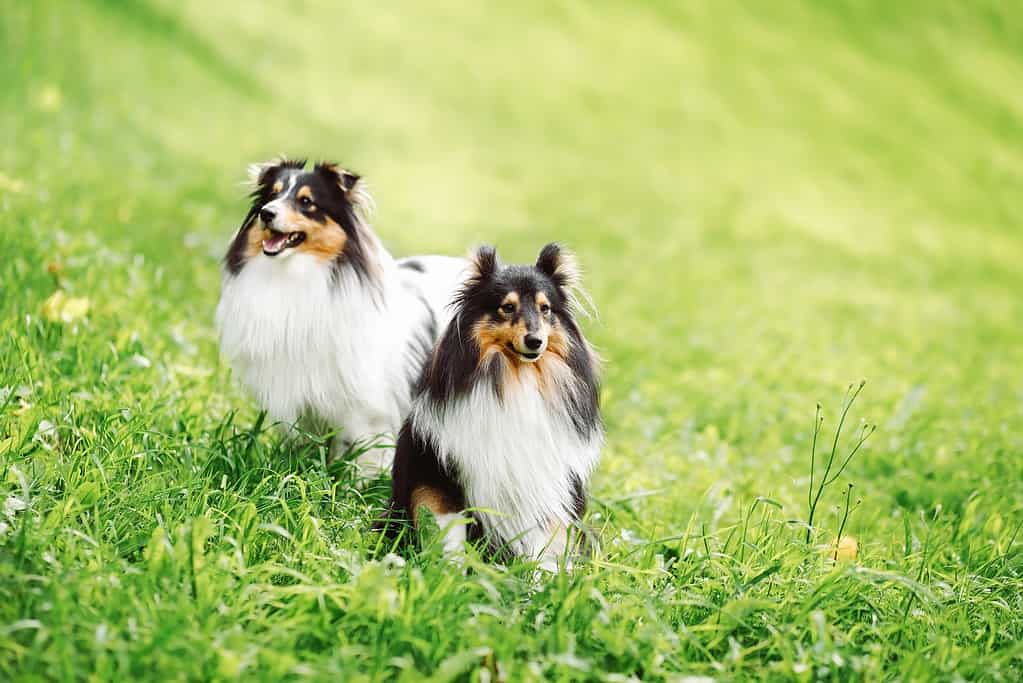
(319, 321)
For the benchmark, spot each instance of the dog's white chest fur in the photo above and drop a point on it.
(515, 457)
(328, 349)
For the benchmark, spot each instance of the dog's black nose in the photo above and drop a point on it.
(267, 215)
(533, 343)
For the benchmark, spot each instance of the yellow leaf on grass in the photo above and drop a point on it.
(61, 308)
(53, 305)
(49, 98)
(75, 308)
(847, 549)
(9, 184)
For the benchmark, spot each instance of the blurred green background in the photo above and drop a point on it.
(770, 200)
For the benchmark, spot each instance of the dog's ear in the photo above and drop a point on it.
(345, 179)
(349, 180)
(484, 264)
(352, 186)
(261, 175)
(559, 265)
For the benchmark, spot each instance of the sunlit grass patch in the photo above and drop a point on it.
(768, 201)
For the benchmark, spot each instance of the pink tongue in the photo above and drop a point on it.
(275, 242)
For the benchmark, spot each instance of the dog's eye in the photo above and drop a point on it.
(305, 202)
(545, 309)
(507, 309)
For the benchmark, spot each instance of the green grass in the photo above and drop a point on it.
(771, 201)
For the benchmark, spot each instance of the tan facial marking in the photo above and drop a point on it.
(323, 240)
(432, 499)
(254, 240)
(551, 370)
(494, 336)
(278, 186)
(501, 331)
(304, 191)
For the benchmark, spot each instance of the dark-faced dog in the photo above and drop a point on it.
(505, 429)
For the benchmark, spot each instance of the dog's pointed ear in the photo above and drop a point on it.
(484, 264)
(260, 174)
(349, 180)
(345, 179)
(352, 186)
(559, 265)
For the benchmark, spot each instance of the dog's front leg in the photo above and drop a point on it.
(374, 442)
(450, 520)
(550, 547)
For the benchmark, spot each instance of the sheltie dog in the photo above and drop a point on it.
(505, 428)
(321, 323)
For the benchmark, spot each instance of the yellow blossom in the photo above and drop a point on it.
(60, 307)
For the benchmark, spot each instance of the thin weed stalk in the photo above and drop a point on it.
(845, 519)
(827, 478)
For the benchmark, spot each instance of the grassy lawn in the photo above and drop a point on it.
(771, 201)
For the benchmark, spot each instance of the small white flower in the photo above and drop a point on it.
(13, 505)
(630, 537)
(392, 561)
(46, 434)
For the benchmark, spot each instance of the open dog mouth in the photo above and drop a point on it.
(528, 356)
(279, 241)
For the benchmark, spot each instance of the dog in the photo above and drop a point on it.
(506, 424)
(320, 322)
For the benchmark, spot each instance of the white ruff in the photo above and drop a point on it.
(515, 457)
(332, 352)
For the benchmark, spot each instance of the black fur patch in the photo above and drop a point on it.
(583, 396)
(412, 264)
(234, 259)
(578, 498)
(338, 186)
